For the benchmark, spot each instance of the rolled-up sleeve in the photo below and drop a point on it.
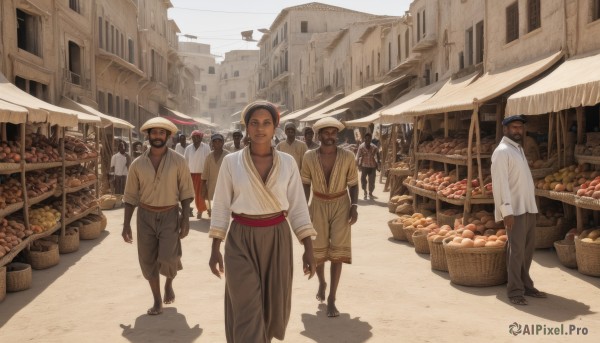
(298, 215)
(221, 211)
(500, 186)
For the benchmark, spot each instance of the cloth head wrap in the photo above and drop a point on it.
(253, 106)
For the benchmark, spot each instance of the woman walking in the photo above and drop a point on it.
(260, 188)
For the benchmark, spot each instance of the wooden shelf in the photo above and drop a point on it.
(566, 197)
(84, 185)
(588, 159)
(6, 259)
(81, 215)
(78, 162)
(451, 159)
(9, 168)
(11, 209)
(422, 192)
(40, 166)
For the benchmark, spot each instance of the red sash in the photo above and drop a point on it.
(259, 222)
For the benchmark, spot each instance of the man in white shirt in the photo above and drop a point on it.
(180, 147)
(195, 154)
(119, 165)
(514, 200)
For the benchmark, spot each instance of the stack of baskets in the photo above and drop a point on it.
(438, 256)
(419, 238)
(443, 219)
(408, 232)
(480, 267)
(90, 227)
(588, 257)
(18, 277)
(42, 254)
(545, 236)
(70, 241)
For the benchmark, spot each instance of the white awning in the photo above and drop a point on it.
(299, 114)
(11, 113)
(574, 83)
(344, 101)
(467, 94)
(105, 119)
(39, 110)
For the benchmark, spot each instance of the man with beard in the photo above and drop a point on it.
(333, 209)
(211, 168)
(196, 154)
(158, 180)
(291, 145)
(367, 159)
(237, 142)
(514, 202)
(309, 134)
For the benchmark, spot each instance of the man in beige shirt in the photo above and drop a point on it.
(211, 168)
(291, 145)
(158, 180)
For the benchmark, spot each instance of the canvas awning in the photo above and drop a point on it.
(183, 119)
(11, 113)
(39, 110)
(467, 94)
(344, 101)
(105, 119)
(299, 114)
(574, 83)
(325, 115)
(178, 121)
(205, 122)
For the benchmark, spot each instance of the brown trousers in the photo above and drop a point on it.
(519, 254)
(159, 246)
(258, 287)
(198, 199)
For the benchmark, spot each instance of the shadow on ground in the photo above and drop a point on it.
(554, 308)
(161, 328)
(200, 225)
(322, 329)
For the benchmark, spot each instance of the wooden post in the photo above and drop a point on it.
(445, 124)
(467, 208)
(580, 125)
(415, 147)
(64, 184)
(561, 162)
(550, 134)
(478, 138)
(23, 178)
(565, 132)
(499, 132)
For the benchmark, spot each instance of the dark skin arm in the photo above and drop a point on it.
(129, 208)
(353, 193)
(216, 258)
(509, 221)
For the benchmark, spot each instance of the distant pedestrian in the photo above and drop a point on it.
(236, 144)
(332, 173)
(260, 188)
(119, 166)
(514, 200)
(291, 145)
(309, 134)
(180, 147)
(367, 159)
(195, 154)
(211, 168)
(158, 180)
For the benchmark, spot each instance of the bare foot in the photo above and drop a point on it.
(169, 293)
(321, 292)
(155, 310)
(332, 311)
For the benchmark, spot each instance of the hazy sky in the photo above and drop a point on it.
(219, 23)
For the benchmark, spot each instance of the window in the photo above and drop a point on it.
(427, 76)
(74, 63)
(461, 60)
(203, 88)
(74, 5)
(479, 48)
(110, 104)
(117, 42)
(534, 19)
(595, 10)
(399, 48)
(211, 70)
(285, 31)
(512, 22)
(242, 95)
(106, 36)
(112, 39)
(131, 51)
(38, 90)
(418, 26)
(122, 50)
(118, 106)
(406, 43)
(126, 109)
(236, 73)
(28, 32)
(304, 26)
(100, 43)
(232, 95)
(101, 103)
(423, 16)
(389, 56)
(469, 47)
(286, 61)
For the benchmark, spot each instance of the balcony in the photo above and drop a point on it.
(426, 43)
(119, 62)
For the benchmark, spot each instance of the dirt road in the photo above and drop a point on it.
(388, 294)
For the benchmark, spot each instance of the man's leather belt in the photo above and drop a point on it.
(157, 208)
(329, 196)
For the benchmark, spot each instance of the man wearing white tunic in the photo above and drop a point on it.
(196, 154)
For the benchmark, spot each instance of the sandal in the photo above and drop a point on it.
(536, 294)
(518, 300)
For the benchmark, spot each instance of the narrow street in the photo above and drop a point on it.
(389, 294)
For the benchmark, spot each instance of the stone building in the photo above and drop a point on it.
(204, 67)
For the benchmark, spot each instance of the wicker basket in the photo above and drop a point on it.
(397, 231)
(588, 257)
(479, 267)
(69, 242)
(566, 253)
(392, 207)
(420, 241)
(443, 219)
(43, 259)
(90, 229)
(18, 277)
(103, 221)
(545, 236)
(438, 256)
(2, 283)
(408, 231)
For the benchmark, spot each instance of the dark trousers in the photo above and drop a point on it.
(120, 181)
(370, 173)
(519, 253)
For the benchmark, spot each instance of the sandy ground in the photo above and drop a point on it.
(389, 294)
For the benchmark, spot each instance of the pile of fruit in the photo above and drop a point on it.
(458, 190)
(479, 231)
(590, 236)
(43, 218)
(541, 164)
(403, 203)
(12, 233)
(78, 175)
(40, 149)
(572, 179)
(40, 182)
(456, 146)
(77, 203)
(77, 149)
(11, 192)
(10, 152)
